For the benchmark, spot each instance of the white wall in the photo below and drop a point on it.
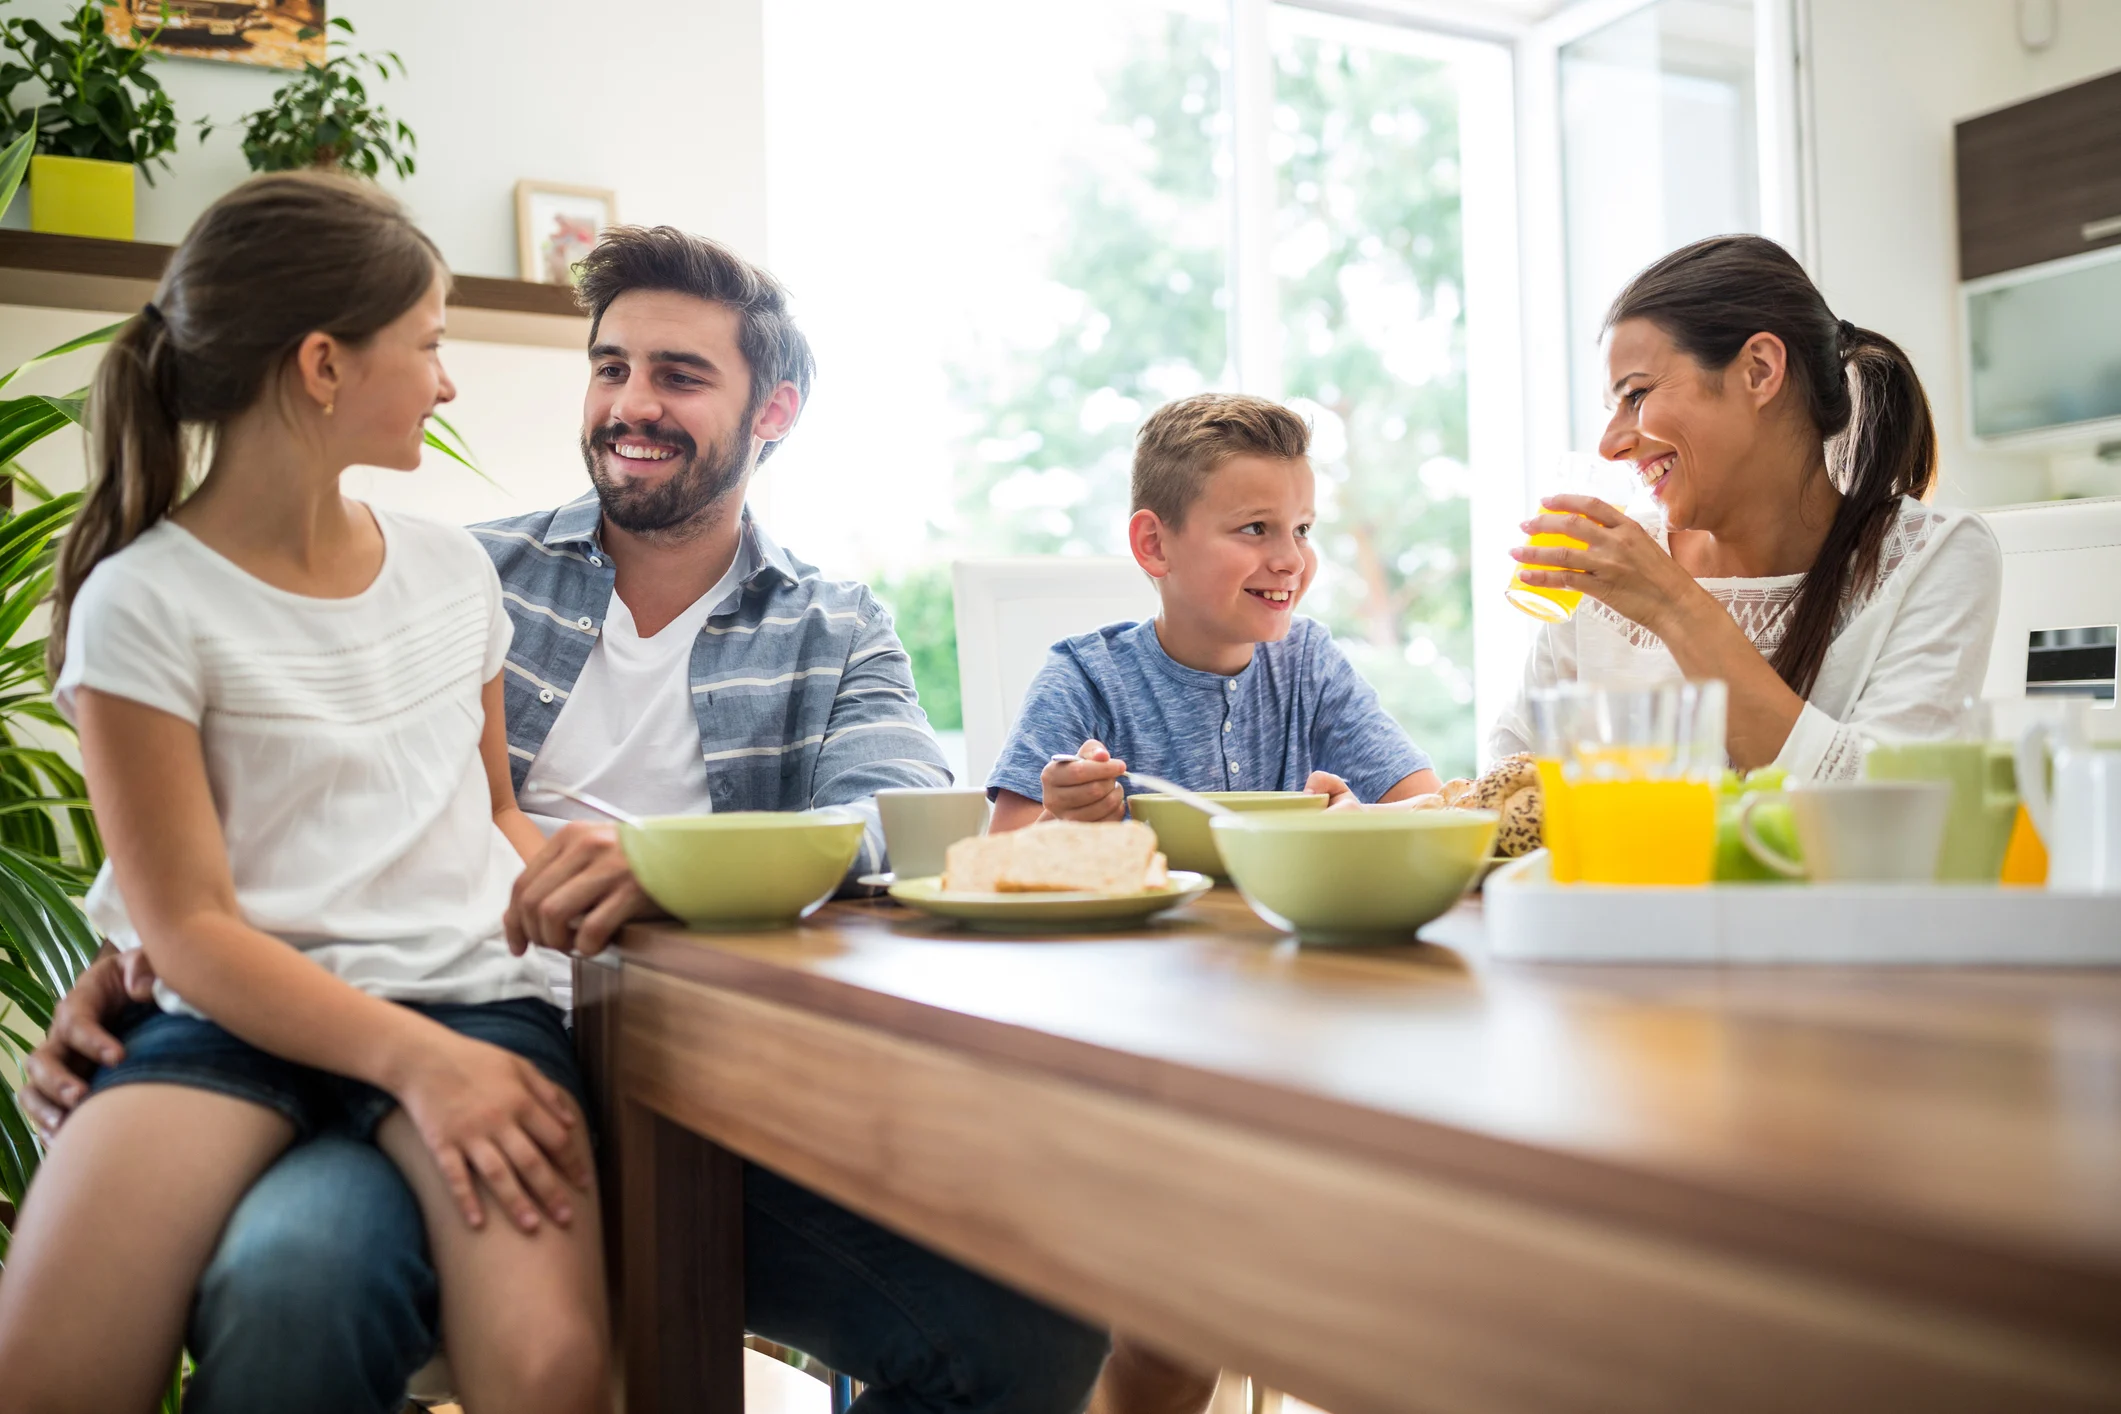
(1889, 79)
(663, 103)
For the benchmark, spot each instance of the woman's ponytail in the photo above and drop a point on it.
(1858, 388)
(1888, 451)
(281, 257)
(136, 461)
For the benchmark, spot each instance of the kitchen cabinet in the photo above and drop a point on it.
(2040, 180)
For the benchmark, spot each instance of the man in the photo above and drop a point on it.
(670, 657)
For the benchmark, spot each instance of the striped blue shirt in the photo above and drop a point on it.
(803, 693)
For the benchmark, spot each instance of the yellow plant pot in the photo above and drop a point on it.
(81, 196)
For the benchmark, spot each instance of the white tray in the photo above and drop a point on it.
(1531, 918)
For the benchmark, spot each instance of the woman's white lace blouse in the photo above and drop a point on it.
(1909, 646)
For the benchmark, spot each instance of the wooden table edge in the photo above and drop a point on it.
(2055, 1294)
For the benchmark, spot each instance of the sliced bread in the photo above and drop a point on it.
(1058, 856)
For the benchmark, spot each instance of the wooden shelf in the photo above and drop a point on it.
(77, 272)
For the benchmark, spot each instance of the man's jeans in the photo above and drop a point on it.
(321, 1298)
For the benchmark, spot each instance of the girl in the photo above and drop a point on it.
(289, 706)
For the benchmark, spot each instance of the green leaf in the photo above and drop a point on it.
(17, 473)
(26, 992)
(18, 1154)
(24, 422)
(47, 930)
(86, 341)
(36, 526)
(21, 602)
(14, 161)
(450, 443)
(44, 802)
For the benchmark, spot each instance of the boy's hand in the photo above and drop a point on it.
(1086, 789)
(1334, 789)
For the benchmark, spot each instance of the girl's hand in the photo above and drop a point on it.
(1621, 566)
(1084, 789)
(487, 1112)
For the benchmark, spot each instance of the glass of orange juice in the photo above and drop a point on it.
(1553, 719)
(1640, 768)
(1549, 606)
(1577, 473)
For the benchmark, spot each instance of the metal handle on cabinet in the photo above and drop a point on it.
(2100, 230)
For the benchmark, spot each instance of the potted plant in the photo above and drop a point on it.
(325, 117)
(103, 116)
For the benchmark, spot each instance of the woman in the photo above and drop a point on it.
(1790, 453)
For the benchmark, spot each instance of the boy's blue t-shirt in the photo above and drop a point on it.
(1299, 706)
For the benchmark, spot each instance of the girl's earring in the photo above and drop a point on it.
(328, 407)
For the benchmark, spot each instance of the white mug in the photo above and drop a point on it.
(1857, 830)
(2080, 823)
(920, 825)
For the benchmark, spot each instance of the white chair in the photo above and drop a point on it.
(2061, 570)
(1010, 612)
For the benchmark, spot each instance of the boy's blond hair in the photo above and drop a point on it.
(1183, 442)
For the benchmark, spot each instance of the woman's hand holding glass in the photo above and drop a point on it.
(1620, 564)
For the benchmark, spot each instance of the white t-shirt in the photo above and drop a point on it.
(1908, 648)
(341, 739)
(627, 733)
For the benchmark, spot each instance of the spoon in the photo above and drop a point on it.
(602, 807)
(1161, 786)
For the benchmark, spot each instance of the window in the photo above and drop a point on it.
(1065, 214)
(1659, 148)
(1370, 289)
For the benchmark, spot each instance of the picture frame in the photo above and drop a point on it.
(271, 34)
(556, 224)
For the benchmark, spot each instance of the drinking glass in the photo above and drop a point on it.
(1553, 714)
(1580, 474)
(1639, 768)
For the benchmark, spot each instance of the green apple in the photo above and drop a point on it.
(1771, 821)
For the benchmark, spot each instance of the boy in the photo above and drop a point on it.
(1226, 688)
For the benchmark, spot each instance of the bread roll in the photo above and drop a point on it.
(1523, 823)
(1503, 780)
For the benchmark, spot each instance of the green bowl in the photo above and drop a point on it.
(1354, 876)
(743, 869)
(1182, 832)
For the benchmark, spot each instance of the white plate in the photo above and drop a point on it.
(1044, 913)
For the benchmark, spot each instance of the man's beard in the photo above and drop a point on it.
(699, 482)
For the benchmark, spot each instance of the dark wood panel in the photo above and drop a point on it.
(143, 260)
(1932, 1130)
(513, 296)
(2033, 175)
(681, 1315)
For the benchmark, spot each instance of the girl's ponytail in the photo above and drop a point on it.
(281, 257)
(136, 461)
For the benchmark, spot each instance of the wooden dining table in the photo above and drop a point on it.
(1405, 1178)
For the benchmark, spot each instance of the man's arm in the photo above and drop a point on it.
(877, 737)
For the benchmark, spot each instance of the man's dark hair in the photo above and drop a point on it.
(628, 258)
